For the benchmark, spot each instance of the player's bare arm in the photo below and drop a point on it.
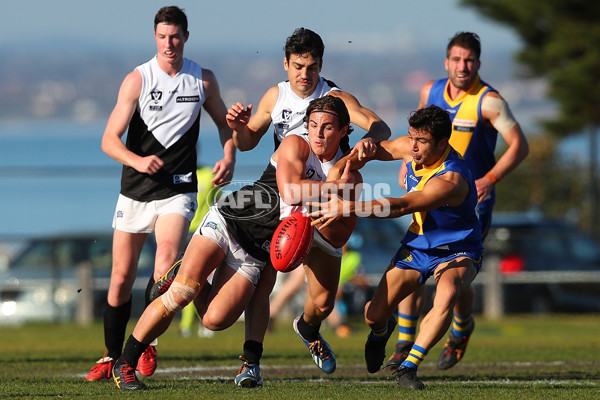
(377, 130)
(496, 112)
(291, 157)
(396, 149)
(248, 129)
(386, 150)
(213, 104)
(118, 122)
(449, 189)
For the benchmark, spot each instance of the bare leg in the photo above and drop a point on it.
(201, 258)
(452, 278)
(257, 311)
(323, 275)
(171, 232)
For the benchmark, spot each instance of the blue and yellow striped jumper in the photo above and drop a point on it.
(446, 228)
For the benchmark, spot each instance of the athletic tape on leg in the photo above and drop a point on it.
(180, 294)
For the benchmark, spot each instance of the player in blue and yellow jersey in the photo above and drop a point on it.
(444, 240)
(478, 114)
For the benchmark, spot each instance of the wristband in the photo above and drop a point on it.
(493, 178)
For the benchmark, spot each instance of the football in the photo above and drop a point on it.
(291, 242)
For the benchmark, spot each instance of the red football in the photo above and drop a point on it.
(291, 242)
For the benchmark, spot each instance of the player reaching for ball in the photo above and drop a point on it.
(282, 106)
(443, 241)
(234, 237)
(479, 114)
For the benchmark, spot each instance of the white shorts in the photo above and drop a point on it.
(140, 216)
(213, 226)
(322, 244)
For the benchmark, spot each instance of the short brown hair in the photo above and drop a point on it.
(432, 120)
(466, 40)
(171, 15)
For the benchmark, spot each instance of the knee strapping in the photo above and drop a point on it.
(182, 291)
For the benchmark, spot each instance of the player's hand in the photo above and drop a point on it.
(327, 212)
(223, 172)
(237, 116)
(484, 188)
(149, 165)
(365, 149)
(347, 177)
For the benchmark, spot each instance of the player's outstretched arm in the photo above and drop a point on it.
(377, 129)
(450, 189)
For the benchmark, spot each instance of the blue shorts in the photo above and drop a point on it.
(427, 261)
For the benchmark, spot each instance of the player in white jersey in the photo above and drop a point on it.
(283, 105)
(233, 239)
(288, 113)
(159, 106)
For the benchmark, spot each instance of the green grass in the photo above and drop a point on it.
(519, 357)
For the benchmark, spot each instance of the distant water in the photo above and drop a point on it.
(54, 178)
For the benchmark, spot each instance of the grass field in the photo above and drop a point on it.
(520, 357)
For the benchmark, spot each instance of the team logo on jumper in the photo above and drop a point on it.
(156, 95)
(187, 99)
(266, 246)
(286, 115)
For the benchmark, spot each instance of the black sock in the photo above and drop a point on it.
(133, 351)
(308, 332)
(253, 351)
(115, 324)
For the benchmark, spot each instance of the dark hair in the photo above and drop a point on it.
(466, 40)
(304, 41)
(171, 15)
(336, 106)
(433, 120)
(333, 105)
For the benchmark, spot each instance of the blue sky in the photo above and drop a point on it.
(346, 25)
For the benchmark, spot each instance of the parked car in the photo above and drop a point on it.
(546, 265)
(41, 282)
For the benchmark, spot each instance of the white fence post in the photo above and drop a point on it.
(493, 295)
(84, 312)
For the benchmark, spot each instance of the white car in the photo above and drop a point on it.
(42, 283)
